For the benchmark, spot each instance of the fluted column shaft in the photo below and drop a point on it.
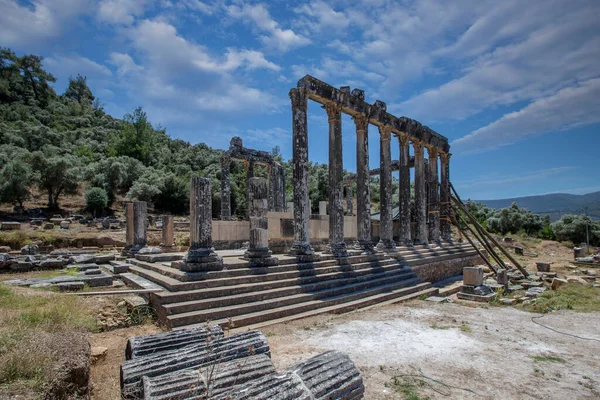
(405, 227)
(445, 224)
(140, 225)
(302, 248)
(336, 185)
(434, 197)
(225, 188)
(129, 227)
(258, 253)
(168, 232)
(249, 174)
(421, 234)
(363, 191)
(386, 242)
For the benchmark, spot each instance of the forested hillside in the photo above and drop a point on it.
(55, 144)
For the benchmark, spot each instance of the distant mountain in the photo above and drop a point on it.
(555, 205)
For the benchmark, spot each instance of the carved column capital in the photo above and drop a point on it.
(334, 111)
(299, 98)
(418, 147)
(445, 157)
(433, 152)
(404, 139)
(361, 121)
(386, 132)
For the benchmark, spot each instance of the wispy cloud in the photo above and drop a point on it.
(502, 180)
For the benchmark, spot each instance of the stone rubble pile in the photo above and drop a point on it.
(200, 363)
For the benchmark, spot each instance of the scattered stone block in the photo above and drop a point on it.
(52, 263)
(509, 302)
(528, 285)
(117, 267)
(558, 282)
(92, 272)
(30, 249)
(22, 266)
(49, 226)
(473, 276)
(576, 279)
(149, 250)
(83, 267)
(4, 249)
(11, 226)
(543, 266)
(519, 251)
(65, 224)
(41, 285)
(103, 258)
(502, 277)
(437, 299)
(118, 284)
(578, 252)
(133, 301)
(83, 259)
(98, 353)
(73, 286)
(535, 291)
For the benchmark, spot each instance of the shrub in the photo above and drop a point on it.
(96, 199)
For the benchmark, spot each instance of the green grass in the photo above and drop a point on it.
(465, 328)
(548, 358)
(575, 297)
(436, 326)
(408, 388)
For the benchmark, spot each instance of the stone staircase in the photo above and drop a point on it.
(253, 297)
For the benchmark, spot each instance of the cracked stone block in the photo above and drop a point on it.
(473, 276)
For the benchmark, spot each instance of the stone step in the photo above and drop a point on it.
(140, 282)
(285, 292)
(254, 276)
(285, 314)
(260, 311)
(443, 257)
(408, 255)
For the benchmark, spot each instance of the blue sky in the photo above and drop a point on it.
(514, 85)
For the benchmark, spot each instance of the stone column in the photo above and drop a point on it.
(129, 228)
(201, 255)
(167, 233)
(225, 188)
(386, 241)
(434, 197)
(249, 174)
(273, 188)
(322, 208)
(140, 226)
(349, 200)
(363, 191)
(405, 230)
(421, 234)
(446, 206)
(258, 253)
(283, 193)
(301, 248)
(336, 246)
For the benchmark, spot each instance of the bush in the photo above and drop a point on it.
(573, 228)
(96, 199)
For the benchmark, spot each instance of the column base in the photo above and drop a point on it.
(304, 253)
(366, 246)
(406, 242)
(134, 250)
(338, 250)
(386, 246)
(168, 249)
(126, 252)
(200, 260)
(421, 242)
(260, 258)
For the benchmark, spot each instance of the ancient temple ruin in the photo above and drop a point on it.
(432, 217)
(251, 157)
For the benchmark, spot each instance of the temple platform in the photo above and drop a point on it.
(240, 296)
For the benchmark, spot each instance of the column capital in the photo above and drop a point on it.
(299, 97)
(445, 157)
(418, 147)
(433, 152)
(385, 131)
(404, 139)
(334, 110)
(361, 121)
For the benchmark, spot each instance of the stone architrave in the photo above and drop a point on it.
(201, 255)
(446, 207)
(404, 201)
(336, 245)
(129, 228)
(386, 241)
(225, 188)
(168, 235)
(140, 226)
(301, 248)
(421, 234)
(434, 197)
(258, 254)
(249, 175)
(363, 191)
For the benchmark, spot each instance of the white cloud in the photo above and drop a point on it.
(120, 11)
(568, 108)
(281, 39)
(505, 180)
(324, 16)
(34, 25)
(124, 63)
(73, 64)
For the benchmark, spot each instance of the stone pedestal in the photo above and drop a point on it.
(201, 255)
(502, 277)
(168, 235)
(473, 276)
(140, 226)
(386, 242)
(301, 249)
(129, 228)
(421, 234)
(363, 191)
(258, 254)
(404, 203)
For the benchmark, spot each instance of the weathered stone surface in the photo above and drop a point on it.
(72, 286)
(222, 379)
(434, 197)
(140, 226)
(149, 250)
(473, 276)
(83, 259)
(363, 191)
(65, 224)
(52, 263)
(421, 234)
(445, 201)
(534, 291)
(543, 266)
(168, 233)
(519, 251)
(386, 240)
(83, 267)
(405, 234)
(22, 266)
(150, 345)
(92, 272)
(258, 253)
(98, 353)
(225, 188)
(30, 249)
(49, 226)
(322, 208)
(502, 277)
(201, 255)
(4, 249)
(10, 226)
(558, 282)
(129, 228)
(195, 356)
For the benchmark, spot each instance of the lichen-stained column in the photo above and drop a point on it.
(301, 248)
(283, 193)
(363, 192)
(258, 253)
(225, 188)
(201, 256)
(336, 246)
(168, 237)
(405, 227)
(140, 226)
(273, 186)
(434, 197)
(386, 241)
(446, 207)
(249, 174)
(129, 228)
(349, 200)
(421, 234)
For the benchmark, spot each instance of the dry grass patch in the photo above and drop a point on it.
(574, 296)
